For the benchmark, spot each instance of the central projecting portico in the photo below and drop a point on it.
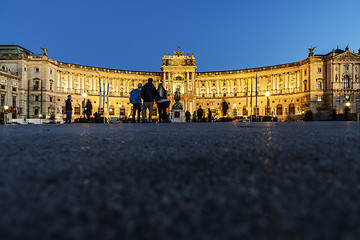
(179, 72)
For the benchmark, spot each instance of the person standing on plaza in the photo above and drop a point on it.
(200, 114)
(194, 116)
(209, 115)
(135, 99)
(161, 101)
(225, 107)
(187, 116)
(148, 94)
(68, 109)
(88, 110)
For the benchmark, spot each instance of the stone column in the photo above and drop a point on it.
(83, 83)
(58, 81)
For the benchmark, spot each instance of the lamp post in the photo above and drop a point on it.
(84, 96)
(347, 109)
(267, 94)
(6, 109)
(235, 112)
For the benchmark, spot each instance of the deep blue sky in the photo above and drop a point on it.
(223, 35)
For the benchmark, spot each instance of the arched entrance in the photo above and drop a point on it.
(292, 108)
(279, 110)
(245, 111)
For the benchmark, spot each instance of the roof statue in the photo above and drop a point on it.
(178, 53)
(45, 50)
(311, 51)
(347, 48)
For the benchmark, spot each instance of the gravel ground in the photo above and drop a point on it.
(180, 181)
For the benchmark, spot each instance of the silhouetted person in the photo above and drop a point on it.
(187, 116)
(308, 116)
(194, 116)
(135, 99)
(68, 109)
(209, 115)
(200, 113)
(88, 110)
(148, 94)
(225, 107)
(161, 101)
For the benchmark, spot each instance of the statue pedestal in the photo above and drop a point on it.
(177, 116)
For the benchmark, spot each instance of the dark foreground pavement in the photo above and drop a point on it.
(181, 181)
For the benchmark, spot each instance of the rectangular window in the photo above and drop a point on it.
(77, 109)
(122, 111)
(319, 85)
(319, 70)
(2, 86)
(346, 68)
(14, 89)
(36, 111)
(14, 102)
(319, 99)
(2, 100)
(36, 99)
(37, 69)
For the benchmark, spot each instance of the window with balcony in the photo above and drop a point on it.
(346, 82)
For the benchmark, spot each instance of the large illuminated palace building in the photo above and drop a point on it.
(33, 85)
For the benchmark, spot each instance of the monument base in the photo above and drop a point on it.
(177, 116)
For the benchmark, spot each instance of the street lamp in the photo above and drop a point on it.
(84, 96)
(347, 104)
(6, 108)
(267, 94)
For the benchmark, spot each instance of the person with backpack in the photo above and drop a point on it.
(148, 94)
(135, 99)
(161, 101)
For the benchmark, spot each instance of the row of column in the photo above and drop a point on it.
(69, 82)
(278, 82)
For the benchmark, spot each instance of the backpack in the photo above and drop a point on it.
(134, 96)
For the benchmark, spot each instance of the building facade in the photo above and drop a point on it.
(37, 86)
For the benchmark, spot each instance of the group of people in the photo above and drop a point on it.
(148, 93)
(68, 109)
(199, 116)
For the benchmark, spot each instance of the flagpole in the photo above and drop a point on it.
(247, 96)
(251, 88)
(99, 95)
(107, 99)
(104, 100)
(256, 95)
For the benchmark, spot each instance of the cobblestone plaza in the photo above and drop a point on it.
(296, 180)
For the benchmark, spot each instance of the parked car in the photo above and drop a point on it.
(116, 120)
(240, 119)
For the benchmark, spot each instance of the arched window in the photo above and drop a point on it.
(111, 110)
(279, 110)
(291, 108)
(36, 85)
(245, 111)
(346, 81)
(319, 85)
